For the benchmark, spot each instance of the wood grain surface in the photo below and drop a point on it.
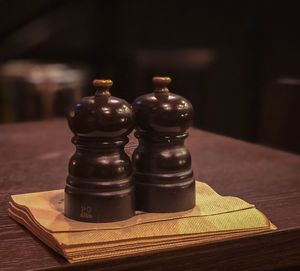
(34, 157)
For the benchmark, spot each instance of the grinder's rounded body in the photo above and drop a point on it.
(99, 186)
(162, 172)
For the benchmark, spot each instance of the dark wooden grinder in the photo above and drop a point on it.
(162, 173)
(99, 186)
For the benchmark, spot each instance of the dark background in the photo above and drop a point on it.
(236, 61)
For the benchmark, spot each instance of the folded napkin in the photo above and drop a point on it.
(214, 218)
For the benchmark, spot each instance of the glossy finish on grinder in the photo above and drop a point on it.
(99, 187)
(163, 177)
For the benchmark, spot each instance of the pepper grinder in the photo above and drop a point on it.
(162, 172)
(99, 186)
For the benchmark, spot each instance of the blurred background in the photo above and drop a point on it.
(238, 62)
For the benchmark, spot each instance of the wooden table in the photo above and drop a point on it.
(34, 157)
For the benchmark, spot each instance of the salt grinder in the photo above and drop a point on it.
(162, 172)
(99, 186)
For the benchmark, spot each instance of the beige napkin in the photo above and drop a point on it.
(214, 218)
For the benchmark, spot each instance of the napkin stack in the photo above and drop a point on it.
(214, 218)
